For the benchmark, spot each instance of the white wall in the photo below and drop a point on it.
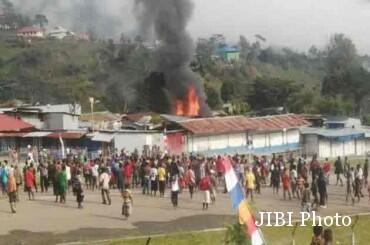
(276, 139)
(337, 148)
(130, 141)
(324, 148)
(361, 147)
(293, 136)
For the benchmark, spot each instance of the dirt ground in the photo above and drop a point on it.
(45, 222)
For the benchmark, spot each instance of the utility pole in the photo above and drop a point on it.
(92, 102)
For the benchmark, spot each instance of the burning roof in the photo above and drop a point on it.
(220, 125)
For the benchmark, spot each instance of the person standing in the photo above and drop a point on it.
(359, 176)
(128, 201)
(321, 184)
(62, 184)
(190, 179)
(146, 178)
(161, 180)
(12, 190)
(175, 188)
(350, 185)
(104, 183)
(30, 181)
(339, 171)
(250, 183)
(128, 170)
(153, 180)
(306, 199)
(205, 185)
(286, 184)
(69, 176)
(43, 177)
(327, 168)
(366, 171)
(76, 182)
(95, 175)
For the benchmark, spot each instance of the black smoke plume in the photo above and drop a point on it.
(167, 21)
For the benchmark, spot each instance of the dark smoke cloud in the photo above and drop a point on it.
(167, 21)
(106, 18)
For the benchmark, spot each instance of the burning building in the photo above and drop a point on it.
(166, 20)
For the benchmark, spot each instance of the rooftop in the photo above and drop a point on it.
(12, 124)
(219, 125)
(28, 29)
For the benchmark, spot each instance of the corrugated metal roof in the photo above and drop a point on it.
(37, 134)
(219, 125)
(66, 135)
(341, 132)
(12, 124)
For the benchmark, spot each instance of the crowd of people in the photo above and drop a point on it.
(156, 173)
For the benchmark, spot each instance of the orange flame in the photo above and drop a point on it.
(190, 106)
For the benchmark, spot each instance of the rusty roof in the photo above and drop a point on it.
(220, 125)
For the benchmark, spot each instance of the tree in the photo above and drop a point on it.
(227, 91)
(272, 92)
(213, 97)
(341, 56)
(41, 20)
(335, 105)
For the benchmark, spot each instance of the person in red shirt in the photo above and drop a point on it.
(327, 167)
(127, 171)
(286, 184)
(30, 180)
(220, 169)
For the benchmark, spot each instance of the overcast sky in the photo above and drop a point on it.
(292, 23)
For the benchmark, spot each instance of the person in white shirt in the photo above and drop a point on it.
(104, 183)
(175, 190)
(95, 175)
(69, 176)
(153, 180)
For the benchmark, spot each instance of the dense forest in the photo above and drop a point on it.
(332, 80)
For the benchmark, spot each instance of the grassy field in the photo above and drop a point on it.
(274, 236)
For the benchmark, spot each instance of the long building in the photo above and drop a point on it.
(237, 134)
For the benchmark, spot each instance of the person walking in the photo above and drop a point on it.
(104, 183)
(12, 191)
(18, 179)
(338, 170)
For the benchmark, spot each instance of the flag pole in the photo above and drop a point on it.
(293, 233)
(353, 238)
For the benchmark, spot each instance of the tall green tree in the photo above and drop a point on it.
(272, 92)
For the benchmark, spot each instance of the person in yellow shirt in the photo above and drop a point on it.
(162, 180)
(250, 183)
